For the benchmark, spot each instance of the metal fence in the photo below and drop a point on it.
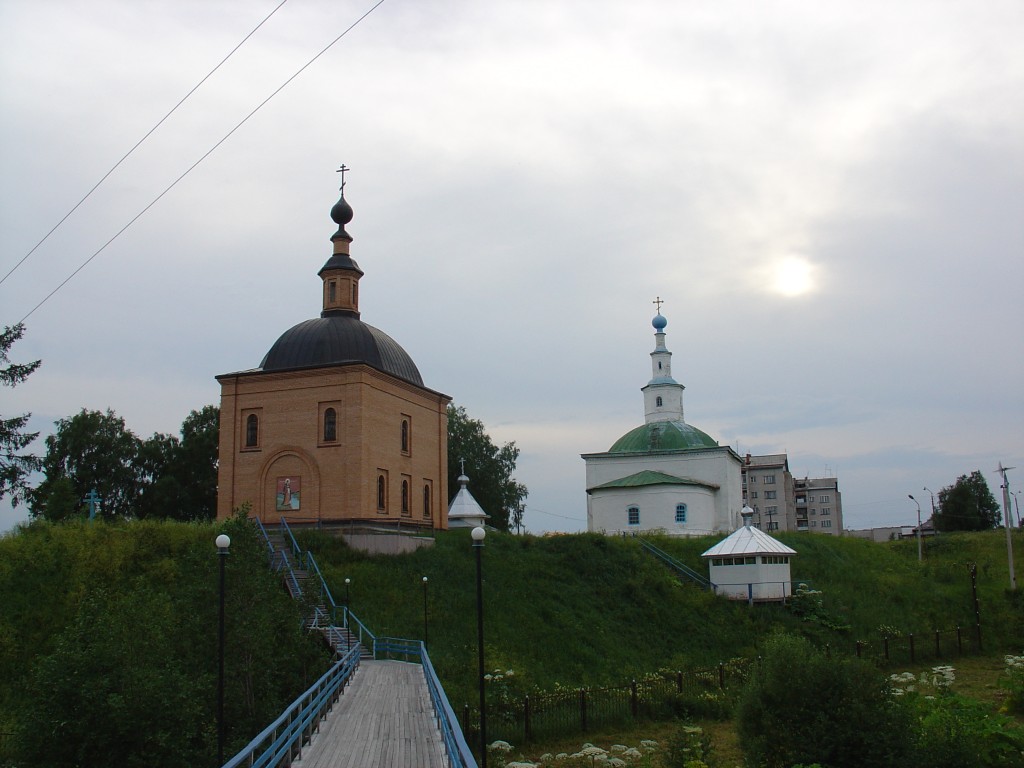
(699, 692)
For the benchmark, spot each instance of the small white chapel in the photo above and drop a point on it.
(665, 475)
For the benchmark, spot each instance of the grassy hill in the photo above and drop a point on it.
(587, 609)
(108, 631)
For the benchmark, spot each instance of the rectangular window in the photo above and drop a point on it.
(769, 479)
(753, 495)
(773, 526)
(752, 478)
(771, 510)
(801, 499)
(814, 511)
(826, 510)
(814, 523)
(826, 523)
(824, 499)
(633, 515)
(680, 513)
(752, 560)
(770, 494)
(810, 499)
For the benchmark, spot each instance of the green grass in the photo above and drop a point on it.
(588, 610)
(573, 610)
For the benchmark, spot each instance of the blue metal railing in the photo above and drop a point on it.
(459, 754)
(282, 741)
(681, 568)
(455, 746)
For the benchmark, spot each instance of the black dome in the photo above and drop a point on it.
(338, 340)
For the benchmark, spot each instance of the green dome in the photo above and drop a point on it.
(663, 436)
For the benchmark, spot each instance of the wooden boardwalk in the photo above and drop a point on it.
(383, 720)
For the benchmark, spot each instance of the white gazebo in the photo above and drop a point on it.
(464, 511)
(750, 565)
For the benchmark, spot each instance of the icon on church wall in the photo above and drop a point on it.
(288, 493)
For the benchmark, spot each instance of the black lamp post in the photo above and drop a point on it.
(478, 544)
(223, 542)
(425, 635)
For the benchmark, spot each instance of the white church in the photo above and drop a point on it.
(665, 475)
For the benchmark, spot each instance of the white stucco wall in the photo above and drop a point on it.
(608, 509)
(715, 466)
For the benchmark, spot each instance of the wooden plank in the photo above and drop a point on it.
(384, 719)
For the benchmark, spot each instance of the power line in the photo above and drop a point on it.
(139, 142)
(209, 152)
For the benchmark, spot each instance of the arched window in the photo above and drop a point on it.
(330, 425)
(426, 501)
(405, 435)
(658, 401)
(680, 513)
(633, 515)
(252, 431)
(405, 497)
(382, 495)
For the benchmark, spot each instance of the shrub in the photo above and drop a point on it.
(1013, 681)
(801, 707)
(688, 747)
(955, 732)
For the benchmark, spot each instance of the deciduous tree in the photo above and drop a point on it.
(94, 451)
(489, 467)
(967, 505)
(15, 466)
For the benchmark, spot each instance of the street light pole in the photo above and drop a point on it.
(918, 526)
(223, 542)
(933, 503)
(478, 545)
(425, 635)
(1008, 524)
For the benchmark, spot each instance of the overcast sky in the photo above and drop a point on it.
(829, 197)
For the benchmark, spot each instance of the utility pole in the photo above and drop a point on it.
(1006, 524)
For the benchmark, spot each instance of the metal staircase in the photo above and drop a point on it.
(683, 572)
(306, 584)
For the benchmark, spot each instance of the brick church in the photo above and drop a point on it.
(335, 426)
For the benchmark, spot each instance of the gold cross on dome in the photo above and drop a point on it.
(659, 301)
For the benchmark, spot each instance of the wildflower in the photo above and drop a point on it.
(632, 753)
(617, 749)
(500, 746)
(616, 762)
(520, 765)
(648, 745)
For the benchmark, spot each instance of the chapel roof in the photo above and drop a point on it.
(338, 336)
(663, 436)
(652, 477)
(464, 509)
(340, 340)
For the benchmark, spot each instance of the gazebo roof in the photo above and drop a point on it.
(748, 540)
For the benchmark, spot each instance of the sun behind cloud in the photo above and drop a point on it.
(793, 276)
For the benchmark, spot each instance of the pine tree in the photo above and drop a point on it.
(15, 466)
